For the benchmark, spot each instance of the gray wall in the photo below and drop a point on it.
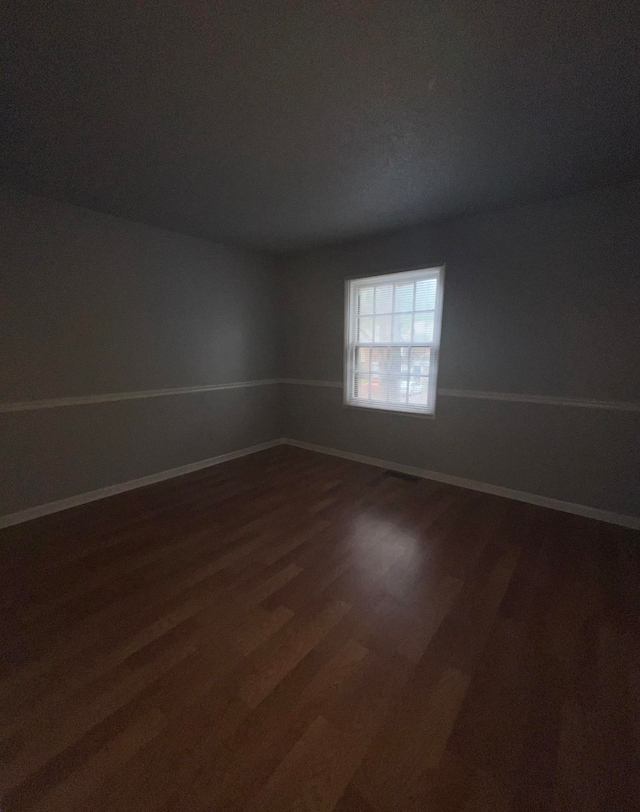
(542, 300)
(93, 304)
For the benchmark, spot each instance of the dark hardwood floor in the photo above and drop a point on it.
(291, 631)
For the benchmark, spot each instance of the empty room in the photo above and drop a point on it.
(320, 406)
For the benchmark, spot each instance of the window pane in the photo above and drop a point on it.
(379, 388)
(365, 301)
(382, 329)
(365, 329)
(418, 391)
(423, 327)
(420, 360)
(390, 320)
(402, 327)
(363, 357)
(397, 390)
(361, 387)
(379, 359)
(426, 294)
(398, 360)
(384, 298)
(404, 298)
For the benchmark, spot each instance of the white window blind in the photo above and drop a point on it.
(393, 340)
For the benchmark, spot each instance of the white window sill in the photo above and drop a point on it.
(354, 404)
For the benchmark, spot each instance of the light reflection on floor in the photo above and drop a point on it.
(382, 548)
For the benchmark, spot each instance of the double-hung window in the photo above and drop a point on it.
(393, 340)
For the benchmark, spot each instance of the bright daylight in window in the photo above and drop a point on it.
(392, 340)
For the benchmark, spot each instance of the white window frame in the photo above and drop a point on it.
(351, 320)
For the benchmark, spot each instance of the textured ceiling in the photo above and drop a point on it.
(283, 124)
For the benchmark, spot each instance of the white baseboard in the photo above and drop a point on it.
(112, 490)
(497, 490)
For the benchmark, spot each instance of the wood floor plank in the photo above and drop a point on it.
(268, 732)
(257, 629)
(54, 729)
(313, 775)
(297, 631)
(269, 666)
